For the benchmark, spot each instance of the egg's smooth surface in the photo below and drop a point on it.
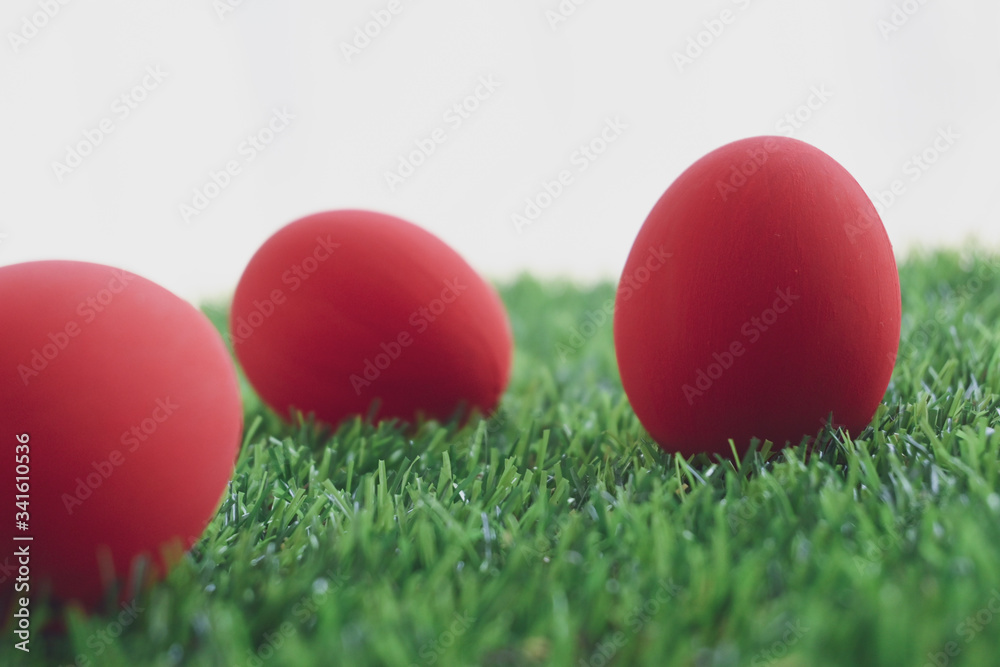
(122, 405)
(346, 312)
(760, 296)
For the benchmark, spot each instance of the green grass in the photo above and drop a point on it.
(558, 534)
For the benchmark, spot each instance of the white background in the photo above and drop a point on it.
(889, 92)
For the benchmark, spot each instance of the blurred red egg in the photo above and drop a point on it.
(760, 296)
(341, 311)
(121, 418)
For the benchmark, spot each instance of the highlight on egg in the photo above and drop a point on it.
(760, 298)
(353, 312)
(122, 415)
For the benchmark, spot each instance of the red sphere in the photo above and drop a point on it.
(121, 412)
(342, 309)
(761, 295)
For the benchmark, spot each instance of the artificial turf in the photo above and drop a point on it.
(557, 533)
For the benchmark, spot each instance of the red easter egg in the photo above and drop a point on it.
(760, 297)
(121, 420)
(345, 308)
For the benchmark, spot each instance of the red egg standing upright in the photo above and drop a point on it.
(121, 419)
(761, 295)
(340, 309)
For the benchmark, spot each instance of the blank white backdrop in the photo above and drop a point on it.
(885, 80)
